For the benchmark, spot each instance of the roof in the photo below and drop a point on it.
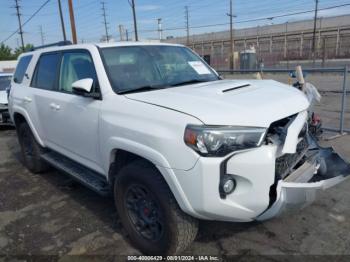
(101, 45)
(133, 43)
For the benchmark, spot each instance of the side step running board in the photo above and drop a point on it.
(84, 175)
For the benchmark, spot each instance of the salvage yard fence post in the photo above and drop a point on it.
(343, 103)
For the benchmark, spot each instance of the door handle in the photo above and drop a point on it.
(54, 106)
(27, 99)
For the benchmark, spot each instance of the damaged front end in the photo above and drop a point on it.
(302, 166)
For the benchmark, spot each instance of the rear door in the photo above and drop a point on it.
(71, 121)
(43, 90)
(21, 98)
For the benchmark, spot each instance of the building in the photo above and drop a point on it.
(279, 44)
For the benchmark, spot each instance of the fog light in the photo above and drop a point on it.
(228, 185)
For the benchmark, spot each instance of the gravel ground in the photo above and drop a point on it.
(50, 215)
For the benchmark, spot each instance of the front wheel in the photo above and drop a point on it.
(149, 212)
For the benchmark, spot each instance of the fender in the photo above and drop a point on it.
(136, 148)
(115, 143)
(21, 111)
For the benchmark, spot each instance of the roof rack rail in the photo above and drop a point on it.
(61, 43)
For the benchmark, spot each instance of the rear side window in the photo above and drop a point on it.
(46, 71)
(21, 68)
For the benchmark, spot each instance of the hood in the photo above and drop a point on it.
(230, 102)
(3, 97)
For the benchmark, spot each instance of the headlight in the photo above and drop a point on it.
(218, 141)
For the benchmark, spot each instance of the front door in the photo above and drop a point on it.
(72, 120)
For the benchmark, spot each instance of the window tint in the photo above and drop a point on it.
(75, 66)
(5, 82)
(45, 75)
(21, 68)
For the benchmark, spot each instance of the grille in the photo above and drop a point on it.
(286, 163)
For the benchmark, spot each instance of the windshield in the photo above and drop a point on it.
(143, 68)
(5, 82)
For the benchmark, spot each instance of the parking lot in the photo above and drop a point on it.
(48, 214)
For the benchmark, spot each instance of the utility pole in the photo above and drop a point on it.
(105, 20)
(160, 31)
(231, 36)
(17, 6)
(187, 26)
(314, 33)
(127, 34)
(72, 21)
(121, 32)
(286, 45)
(41, 34)
(132, 4)
(62, 21)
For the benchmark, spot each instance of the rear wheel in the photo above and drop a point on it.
(30, 149)
(149, 213)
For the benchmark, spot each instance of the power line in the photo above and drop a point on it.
(252, 20)
(27, 21)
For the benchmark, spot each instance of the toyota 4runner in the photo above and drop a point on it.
(157, 128)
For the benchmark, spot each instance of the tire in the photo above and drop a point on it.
(31, 151)
(149, 212)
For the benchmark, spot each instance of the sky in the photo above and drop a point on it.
(90, 27)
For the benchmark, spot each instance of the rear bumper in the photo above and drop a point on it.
(323, 169)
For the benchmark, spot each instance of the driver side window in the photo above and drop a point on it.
(76, 66)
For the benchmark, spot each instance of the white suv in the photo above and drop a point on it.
(154, 125)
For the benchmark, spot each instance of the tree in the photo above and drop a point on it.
(5, 52)
(19, 50)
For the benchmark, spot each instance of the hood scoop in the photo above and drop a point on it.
(235, 88)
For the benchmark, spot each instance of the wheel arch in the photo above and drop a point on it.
(121, 157)
(20, 116)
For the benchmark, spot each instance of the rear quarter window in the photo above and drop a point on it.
(21, 68)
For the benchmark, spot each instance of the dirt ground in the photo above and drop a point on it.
(50, 215)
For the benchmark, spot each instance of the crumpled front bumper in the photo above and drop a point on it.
(323, 169)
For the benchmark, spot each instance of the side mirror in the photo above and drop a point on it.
(82, 86)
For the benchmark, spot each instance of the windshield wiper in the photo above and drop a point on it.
(140, 89)
(192, 81)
